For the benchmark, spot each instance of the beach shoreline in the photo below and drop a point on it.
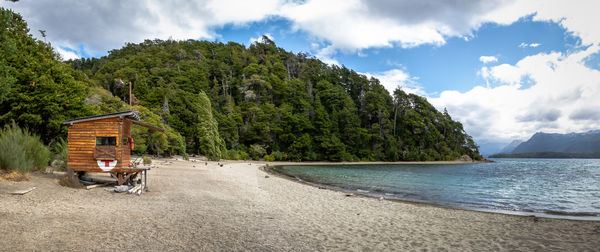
(275, 163)
(234, 205)
(269, 168)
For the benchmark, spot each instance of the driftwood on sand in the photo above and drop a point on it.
(134, 189)
(97, 185)
(21, 192)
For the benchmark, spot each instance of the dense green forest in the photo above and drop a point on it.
(224, 101)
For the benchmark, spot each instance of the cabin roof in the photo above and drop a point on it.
(130, 114)
(148, 126)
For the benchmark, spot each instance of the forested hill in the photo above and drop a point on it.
(267, 100)
(229, 101)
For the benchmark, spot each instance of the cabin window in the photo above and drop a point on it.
(106, 141)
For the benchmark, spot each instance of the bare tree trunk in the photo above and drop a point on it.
(395, 116)
(224, 85)
(287, 65)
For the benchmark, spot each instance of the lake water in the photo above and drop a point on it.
(563, 188)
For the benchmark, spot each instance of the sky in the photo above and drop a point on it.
(506, 69)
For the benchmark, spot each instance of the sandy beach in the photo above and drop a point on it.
(201, 206)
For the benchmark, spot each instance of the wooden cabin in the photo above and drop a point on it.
(103, 143)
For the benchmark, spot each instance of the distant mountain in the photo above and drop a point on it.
(547, 155)
(552, 145)
(511, 146)
(587, 142)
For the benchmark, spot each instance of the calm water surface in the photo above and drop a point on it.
(564, 188)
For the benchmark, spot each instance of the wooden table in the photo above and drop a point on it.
(143, 170)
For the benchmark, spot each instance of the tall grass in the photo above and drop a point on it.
(60, 148)
(22, 151)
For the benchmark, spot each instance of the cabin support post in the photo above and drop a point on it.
(120, 176)
(73, 180)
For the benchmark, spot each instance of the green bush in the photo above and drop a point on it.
(257, 151)
(147, 160)
(21, 151)
(269, 158)
(236, 155)
(60, 148)
(243, 155)
(279, 156)
(230, 154)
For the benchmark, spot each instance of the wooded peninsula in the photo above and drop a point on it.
(223, 100)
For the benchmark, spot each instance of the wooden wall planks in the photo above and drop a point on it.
(82, 141)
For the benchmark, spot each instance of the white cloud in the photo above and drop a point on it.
(353, 24)
(346, 25)
(350, 25)
(105, 25)
(523, 45)
(488, 59)
(397, 78)
(560, 99)
(575, 17)
(503, 73)
(66, 55)
(260, 39)
(326, 55)
(240, 12)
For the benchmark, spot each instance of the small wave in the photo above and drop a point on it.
(581, 214)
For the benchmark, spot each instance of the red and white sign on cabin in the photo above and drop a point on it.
(107, 165)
